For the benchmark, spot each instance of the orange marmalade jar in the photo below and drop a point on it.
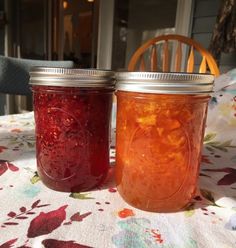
(160, 127)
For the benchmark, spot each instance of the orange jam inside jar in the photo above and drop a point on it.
(159, 137)
(72, 110)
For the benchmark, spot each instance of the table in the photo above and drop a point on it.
(32, 215)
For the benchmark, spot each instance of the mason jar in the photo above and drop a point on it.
(159, 136)
(72, 109)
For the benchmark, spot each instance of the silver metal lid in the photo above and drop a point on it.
(166, 83)
(68, 77)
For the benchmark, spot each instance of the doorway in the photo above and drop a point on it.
(131, 22)
(136, 21)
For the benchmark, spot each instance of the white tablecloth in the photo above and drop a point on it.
(32, 215)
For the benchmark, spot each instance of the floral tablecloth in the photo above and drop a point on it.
(32, 215)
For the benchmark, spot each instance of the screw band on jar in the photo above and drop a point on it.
(166, 83)
(86, 78)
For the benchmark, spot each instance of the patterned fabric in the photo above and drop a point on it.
(35, 216)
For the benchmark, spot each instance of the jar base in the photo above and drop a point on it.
(158, 209)
(57, 186)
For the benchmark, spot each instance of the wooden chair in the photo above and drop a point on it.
(207, 61)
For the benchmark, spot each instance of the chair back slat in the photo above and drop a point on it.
(202, 68)
(154, 58)
(151, 49)
(178, 57)
(165, 65)
(142, 66)
(190, 63)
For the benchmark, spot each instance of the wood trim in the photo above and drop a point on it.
(105, 34)
(184, 15)
(183, 24)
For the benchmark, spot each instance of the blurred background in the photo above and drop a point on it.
(98, 33)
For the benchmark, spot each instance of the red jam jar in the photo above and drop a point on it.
(159, 135)
(72, 109)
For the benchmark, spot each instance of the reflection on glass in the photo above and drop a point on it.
(78, 32)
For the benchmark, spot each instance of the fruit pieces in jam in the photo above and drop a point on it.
(158, 149)
(72, 136)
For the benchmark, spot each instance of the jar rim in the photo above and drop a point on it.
(72, 77)
(167, 83)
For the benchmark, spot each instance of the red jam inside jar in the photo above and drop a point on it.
(72, 136)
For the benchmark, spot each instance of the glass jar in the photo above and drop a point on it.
(72, 109)
(159, 135)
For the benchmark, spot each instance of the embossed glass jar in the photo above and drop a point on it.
(159, 135)
(72, 109)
